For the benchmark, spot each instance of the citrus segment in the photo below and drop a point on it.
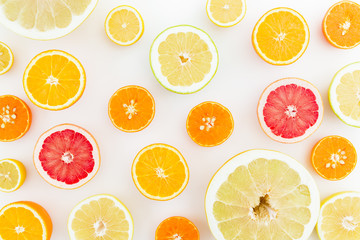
(12, 175)
(226, 13)
(6, 58)
(177, 228)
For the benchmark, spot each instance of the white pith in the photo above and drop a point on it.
(226, 6)
(7, 116)
(17, 169)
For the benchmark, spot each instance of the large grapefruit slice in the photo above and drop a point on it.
(67, 156)
(290, 110)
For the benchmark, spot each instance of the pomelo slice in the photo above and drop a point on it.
(290, 110)
(67, 156)
(262, 194)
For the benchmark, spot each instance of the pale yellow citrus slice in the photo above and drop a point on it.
(6, 58)
(226, 13)
(12, 175)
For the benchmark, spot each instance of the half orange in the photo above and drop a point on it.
(177, 228)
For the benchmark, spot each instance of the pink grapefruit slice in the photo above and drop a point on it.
(67, 156)
(290, 110)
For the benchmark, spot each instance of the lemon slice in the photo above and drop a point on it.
(6, 58)
(12, 175)
(226, 13)
(262, 194)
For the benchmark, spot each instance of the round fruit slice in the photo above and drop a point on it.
(184, 59)
(281, 36)
(131, 108)
(339, 217)
(344, 94)
(101, 216)
(177, 228)
(341, 25)
(44, 20)
(124, 25)
(160, 172)
(6, 58)
(25, 220)
(67, 156)
(262, 194)
(334, 157)
(12, 175)
(15, 118)
(226, 13)
(290, 110)
(209, 124)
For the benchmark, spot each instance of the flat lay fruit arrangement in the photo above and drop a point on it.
(213, 119)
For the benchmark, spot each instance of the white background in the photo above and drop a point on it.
(240, 79)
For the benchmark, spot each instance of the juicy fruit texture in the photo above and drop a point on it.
(100, 217)
(290, 110)
(341, 25)
(131, 108)
(184, 59)
(44, 20)
(124, 25)
(12, 175)
(262, 194)
(177, 228)
(281, 36)
(160, 172)
(15, 118)
(67, 156)
(54, 80)
(209, 124)
(25, 220)
(226, 13)
(6, 58)
(339, 217)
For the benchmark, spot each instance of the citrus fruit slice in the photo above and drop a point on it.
(67, 156)
(177, 228)
(226, 13)
(339, 217)
(281, 36)
(341, 25)
(160, 172)
(23, 221)
(124, 25)
(131, 108)
(290, 110)
(44, 20)
(262, 194)
(101, 216)
(6, 58)
(15, 118)
(209, 124)
(344, 94)
(184, 59)
(12, 175)
(334, 157)
(54, 80)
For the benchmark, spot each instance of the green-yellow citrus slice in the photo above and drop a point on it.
(6, 58)
(226, 13)
(262, 194)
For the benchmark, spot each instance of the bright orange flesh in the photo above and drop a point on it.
(334, 157)
(131, 108)
(177, 228)
(209, 124)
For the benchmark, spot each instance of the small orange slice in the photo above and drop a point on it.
(131, 108)
(334, 158)
(341, 25)
(209, 124)
(15, 118)
(177, 228)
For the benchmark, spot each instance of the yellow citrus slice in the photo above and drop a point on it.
(54, 80)
(12, 175)
(100, 217)
(124, 25)
(226, 13)
(6, 58)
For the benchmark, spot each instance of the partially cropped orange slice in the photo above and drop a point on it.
(334, 157)
(131, 108)
(177, 228)
(209, 124)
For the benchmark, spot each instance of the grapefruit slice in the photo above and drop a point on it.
(262, 194)
(67, 156)
(290, 110)
(177, 228)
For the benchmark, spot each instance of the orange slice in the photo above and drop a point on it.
(6, 58)
(334, 158)
(160, 172)
(54, 80)
(23, 221)
(15, 118)
(131, 108)
(209, 124)
(177, 228)
(341, 25)
(281, 36)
